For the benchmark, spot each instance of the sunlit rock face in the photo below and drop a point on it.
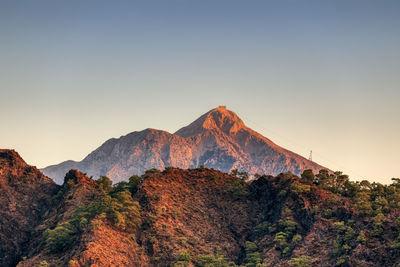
(218, 139)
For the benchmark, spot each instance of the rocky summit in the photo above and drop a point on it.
(219, 139)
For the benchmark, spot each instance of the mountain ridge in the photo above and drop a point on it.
(218, 139)
(195, 217)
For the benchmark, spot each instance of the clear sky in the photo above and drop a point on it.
(320, 75)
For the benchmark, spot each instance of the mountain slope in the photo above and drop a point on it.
(25, 196)
(202, 217)
(218, 139)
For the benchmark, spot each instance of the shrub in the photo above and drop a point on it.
(168, 169)
(302, 261)
(289, 227)
(281, 240)
(308, 176)
(260, 230)
(378, 225)
(239, 189)
(363, 204)
(299, 188)
(119, 187)
(44, 264)
(340, 227)
(184, 256)
(242, 175)
(253, 257)
(396, 244)
(60, 238)
(341, 262)
(105, 183)
(361, 237)
(215, 176)
(286, 252)
(123, 211)
(152, 170)
(349, 235)
(327, 213)
(296, 239)
(182, 260)
(134, 182)
(130, 186)
(214, 261)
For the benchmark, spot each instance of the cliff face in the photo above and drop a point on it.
(218, 139)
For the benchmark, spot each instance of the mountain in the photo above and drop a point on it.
(25, 197)
(196, 217)
(218, 139)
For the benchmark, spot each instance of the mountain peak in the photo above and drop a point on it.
(220, 119)
(218, 139)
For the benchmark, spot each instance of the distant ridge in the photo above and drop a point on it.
(218, 139)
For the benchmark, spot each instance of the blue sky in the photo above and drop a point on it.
(320, 75)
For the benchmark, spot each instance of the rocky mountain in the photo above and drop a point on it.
(25, 197)
(218, 139)
(196, 217)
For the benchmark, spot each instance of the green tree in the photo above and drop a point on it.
(123, 211)
(44, 264)
(234, 172)
(152, 170)
(182, 260)
(215, 261)
(378, 224)
(134, 182)
(396, 244)
(361, 237)
(104, 183)
(280, 240)
(363, 203)
(60, 238)
(302, 261)
(253, 256)
(239, 189)
(308, 176)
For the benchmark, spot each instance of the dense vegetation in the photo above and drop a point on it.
(117, 206)
(362, 215)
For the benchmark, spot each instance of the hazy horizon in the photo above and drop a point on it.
(310, 75)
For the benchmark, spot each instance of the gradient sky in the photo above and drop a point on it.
(320, 75)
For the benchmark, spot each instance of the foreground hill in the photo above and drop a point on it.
(218, 139)
(197, 217)
(25, 197)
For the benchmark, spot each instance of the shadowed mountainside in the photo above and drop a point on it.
(218, 139)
